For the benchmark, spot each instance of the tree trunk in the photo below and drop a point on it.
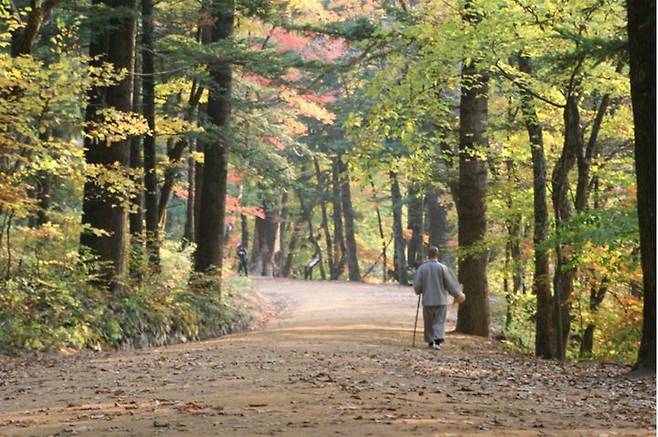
(545, 335)
(415, 224)
(256, 259)
(307, 212)
(564, 274)
(292, 247)
(100, 209)
(339, 239)
(596, 296)
(514, 227)
(136, 216)
(188, 234)
(198, 187)
(514, 235)
(382, 237)
(150, 170)
(586, 155)
(506, 287)
(642, 47)
(137, 163)
(322, 193)
(244, 230)
(348, 214)
(23, 38)
(44, 197)
(22, 41)
(473, 317)
(175, 154)
(264, 248)
(438, 225)
(282, 237)
(210, 245)
(399, 242)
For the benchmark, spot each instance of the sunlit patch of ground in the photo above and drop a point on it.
(335, 359)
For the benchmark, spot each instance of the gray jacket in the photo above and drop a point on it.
(435, 281)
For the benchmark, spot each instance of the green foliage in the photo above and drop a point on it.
(55, 306)
(520, 334)
(378, 84)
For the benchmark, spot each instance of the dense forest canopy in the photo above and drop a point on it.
(142, 141)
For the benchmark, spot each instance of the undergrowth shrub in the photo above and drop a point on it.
(616, 337)
(49, 303)
(520, 334)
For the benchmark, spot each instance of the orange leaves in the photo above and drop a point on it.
(325, 49)
(293, 126)
(252, 211)
(234, 178)
(313, 48)
(321, 99)
(301, 105)
(233, 206)
(276, 142)
(293, 75)
(257, 80)
(289, 42)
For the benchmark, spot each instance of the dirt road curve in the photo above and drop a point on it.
(337, 360)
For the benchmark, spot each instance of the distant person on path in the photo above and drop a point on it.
(242, 260)
(308, 270)
(435, 281)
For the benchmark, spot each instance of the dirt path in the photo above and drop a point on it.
(335, 361)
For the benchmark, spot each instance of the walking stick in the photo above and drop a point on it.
(413, 343)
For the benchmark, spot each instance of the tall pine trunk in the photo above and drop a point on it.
(380, 227)
(564, 273)
(148, 107)
(586, 155)
(188, 234)
(198, 187)
(101, 209)
(307, 213)
(282, 221)
(438, 226)
(244, 230)
(545, 335)
(175, 154)
(415, 224)
(474, 314)
(642, 47)
(348, 213)
(322, 194)
(292, 247)
(210, 245)
(596, 296)
(399, 242)
(24, 37)
(137, 163)
(265, 235)
(22, 41)
(339, 238)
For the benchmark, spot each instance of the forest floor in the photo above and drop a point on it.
(331, 358)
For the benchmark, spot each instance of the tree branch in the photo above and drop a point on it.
(515, 81)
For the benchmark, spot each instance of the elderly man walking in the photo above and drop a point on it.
(435, 281)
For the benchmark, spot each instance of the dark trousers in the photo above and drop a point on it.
(243, 266)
